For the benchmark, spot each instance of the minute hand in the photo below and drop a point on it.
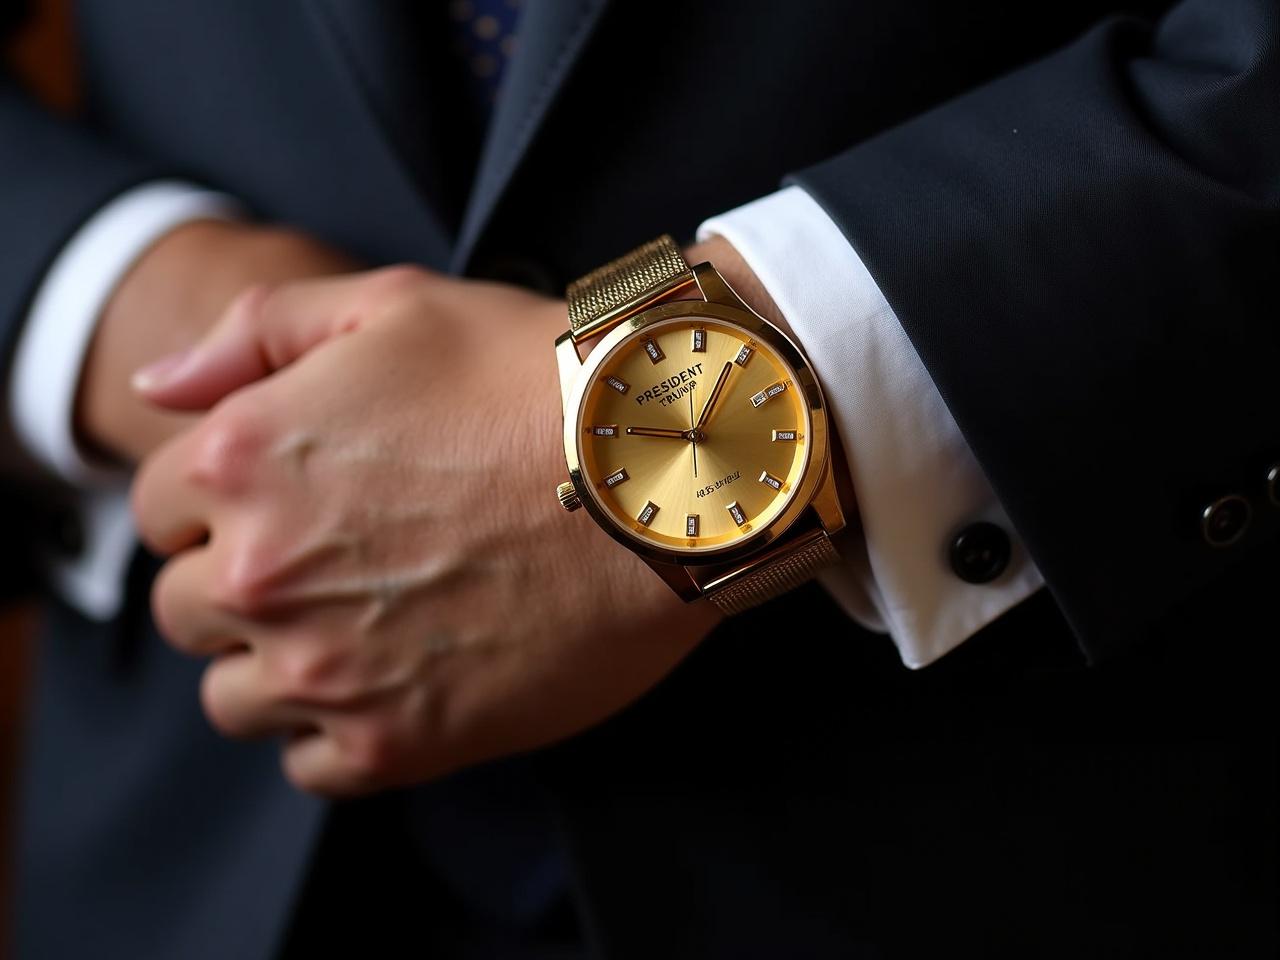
(657, 432)
(715, 395)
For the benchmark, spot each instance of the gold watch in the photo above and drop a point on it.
(695, 431)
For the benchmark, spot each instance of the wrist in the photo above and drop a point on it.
(726, 259)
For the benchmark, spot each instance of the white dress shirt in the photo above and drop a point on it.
(916, 481)
(46, 373)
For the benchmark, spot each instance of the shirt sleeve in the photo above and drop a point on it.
(46, 370)
(916, 481)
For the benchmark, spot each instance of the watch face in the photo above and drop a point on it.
(692, 435)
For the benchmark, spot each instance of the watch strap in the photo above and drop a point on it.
(621, 287)
(779, 575)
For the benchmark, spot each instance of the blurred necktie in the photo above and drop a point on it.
(485, 38)
(485, 830)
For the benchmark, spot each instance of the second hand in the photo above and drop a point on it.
(694, 436)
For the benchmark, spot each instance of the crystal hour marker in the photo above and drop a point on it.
(735, 511)
(784, 435)
(619, 385)
(699, 340)
(691, 525)
(743, 356)
(769, 480)
(613, 479)
(645, 516)
(654, 351)
(768, 393)
(604, 430)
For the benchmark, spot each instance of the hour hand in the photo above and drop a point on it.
(657, 432)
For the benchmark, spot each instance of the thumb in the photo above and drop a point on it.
(258, 334)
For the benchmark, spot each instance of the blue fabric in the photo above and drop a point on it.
(488, 834)
(485, 38)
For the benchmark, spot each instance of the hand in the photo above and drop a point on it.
(367, 542)
(166, 302)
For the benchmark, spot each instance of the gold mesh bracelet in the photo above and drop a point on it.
(616, 290)
(776, 577)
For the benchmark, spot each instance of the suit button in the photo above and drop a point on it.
(1223, 522)
(1273, 484)
(521, 272)
(980, 553)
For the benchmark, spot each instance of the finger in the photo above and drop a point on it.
(267, 328)
(241, 701)
(170, 513)
(229, 355)
(318, 762)
(186, 612)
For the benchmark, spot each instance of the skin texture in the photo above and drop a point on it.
(366, 542)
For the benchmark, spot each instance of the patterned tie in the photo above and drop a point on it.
(485, 39)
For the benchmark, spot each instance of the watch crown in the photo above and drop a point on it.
(569, 498)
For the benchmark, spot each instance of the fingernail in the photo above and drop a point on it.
(159, 372)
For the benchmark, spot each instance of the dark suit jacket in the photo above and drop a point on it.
(1076, 216)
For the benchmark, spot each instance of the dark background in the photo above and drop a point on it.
(43, 55)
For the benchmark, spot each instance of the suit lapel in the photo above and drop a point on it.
(552, 34)
(379, 47)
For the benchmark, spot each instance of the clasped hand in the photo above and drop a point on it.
(363, 536)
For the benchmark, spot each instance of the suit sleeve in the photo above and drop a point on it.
(1084, 254)
(55, 174)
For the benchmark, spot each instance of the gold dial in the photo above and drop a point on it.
(693, 435)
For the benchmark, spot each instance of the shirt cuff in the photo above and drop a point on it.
(46, 375)
(64, 314)
(916, 481)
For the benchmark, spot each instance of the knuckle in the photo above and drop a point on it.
(391, 288)
(370, 754)
(141, 497)
(163, 613)
(308, 774)
(398, 278)
(305, 670)
(246, 309)
(242, 586)
(146, 510)
(216, 706)
(303, 777)
(227, 448)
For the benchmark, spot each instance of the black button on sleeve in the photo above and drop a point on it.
(1224, 521)
(980, 553)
